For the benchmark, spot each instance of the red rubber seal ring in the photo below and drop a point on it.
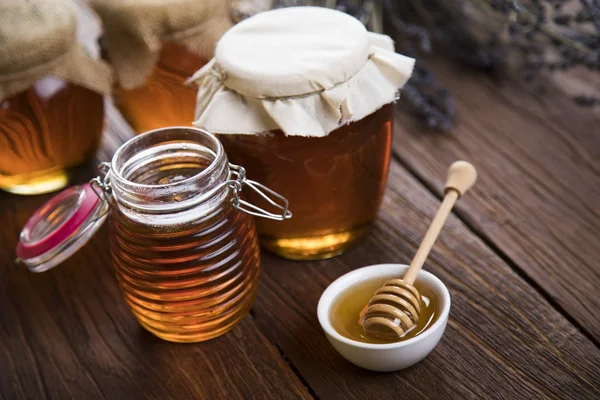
(64, 230)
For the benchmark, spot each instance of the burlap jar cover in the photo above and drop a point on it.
(135, 29)
(304, 70)
(37, 39)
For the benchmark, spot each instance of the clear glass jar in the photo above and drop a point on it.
(164, 99)
(335, 183)
(183, 243)
(46, 129)
(187, 263)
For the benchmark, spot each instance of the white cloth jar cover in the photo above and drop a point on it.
(304, 70)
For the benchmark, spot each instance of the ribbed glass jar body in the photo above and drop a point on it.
(185, 258)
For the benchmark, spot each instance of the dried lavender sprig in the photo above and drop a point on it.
(429, 101)
(361, 12)
(546, 46)
(445, 23)
(570, 20)
(411, 31)
(594, 12)
(587, 101)
(504, 6)
(424, 107)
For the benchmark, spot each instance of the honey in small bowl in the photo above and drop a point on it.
(346, 309)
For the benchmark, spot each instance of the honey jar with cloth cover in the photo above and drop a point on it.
(51, 96)
(154, 46)
(303, 98)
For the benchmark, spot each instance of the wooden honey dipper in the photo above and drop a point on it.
(395, 308)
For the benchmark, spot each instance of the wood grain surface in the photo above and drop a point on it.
(520, 258)
(537, 202)
(503, 339)
(68, 333)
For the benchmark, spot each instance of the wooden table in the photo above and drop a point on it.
(521, 257)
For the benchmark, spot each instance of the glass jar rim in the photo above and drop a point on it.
(159, 150)
(208, 170)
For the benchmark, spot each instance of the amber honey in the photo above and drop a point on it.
(191, 281)
(44, 130)
(334, 184)
(347, 307)
(164, 100)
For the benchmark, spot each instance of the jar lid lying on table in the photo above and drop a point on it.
(37, 39)
(60, 227)
(304, 70)
(134, 29)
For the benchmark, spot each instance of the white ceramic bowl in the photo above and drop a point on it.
(384, 357)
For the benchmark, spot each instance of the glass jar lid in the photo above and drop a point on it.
(60, 227)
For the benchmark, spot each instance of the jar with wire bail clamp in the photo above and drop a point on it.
(183, 241)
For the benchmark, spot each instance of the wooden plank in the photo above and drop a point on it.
(68, 333)
(538, 196)
(503, 339)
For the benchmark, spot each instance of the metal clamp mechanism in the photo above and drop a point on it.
(102, 187)
(237, 185)
(102, 182)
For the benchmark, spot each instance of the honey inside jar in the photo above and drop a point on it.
(188, 273)
(346, 309)
(334, 184)
(51, 96)
(164, 99)
(44, 130)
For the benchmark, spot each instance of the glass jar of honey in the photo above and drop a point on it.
(302, 97)
(51, 97)
(154, 47)
(183, 243)
(336, 183)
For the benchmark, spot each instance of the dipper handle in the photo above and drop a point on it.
(461, 177)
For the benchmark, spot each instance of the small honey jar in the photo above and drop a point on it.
(183, 242)
(302, 97)
(51, 96)
(154, 47)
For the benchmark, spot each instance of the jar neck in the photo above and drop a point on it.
(173, 171)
